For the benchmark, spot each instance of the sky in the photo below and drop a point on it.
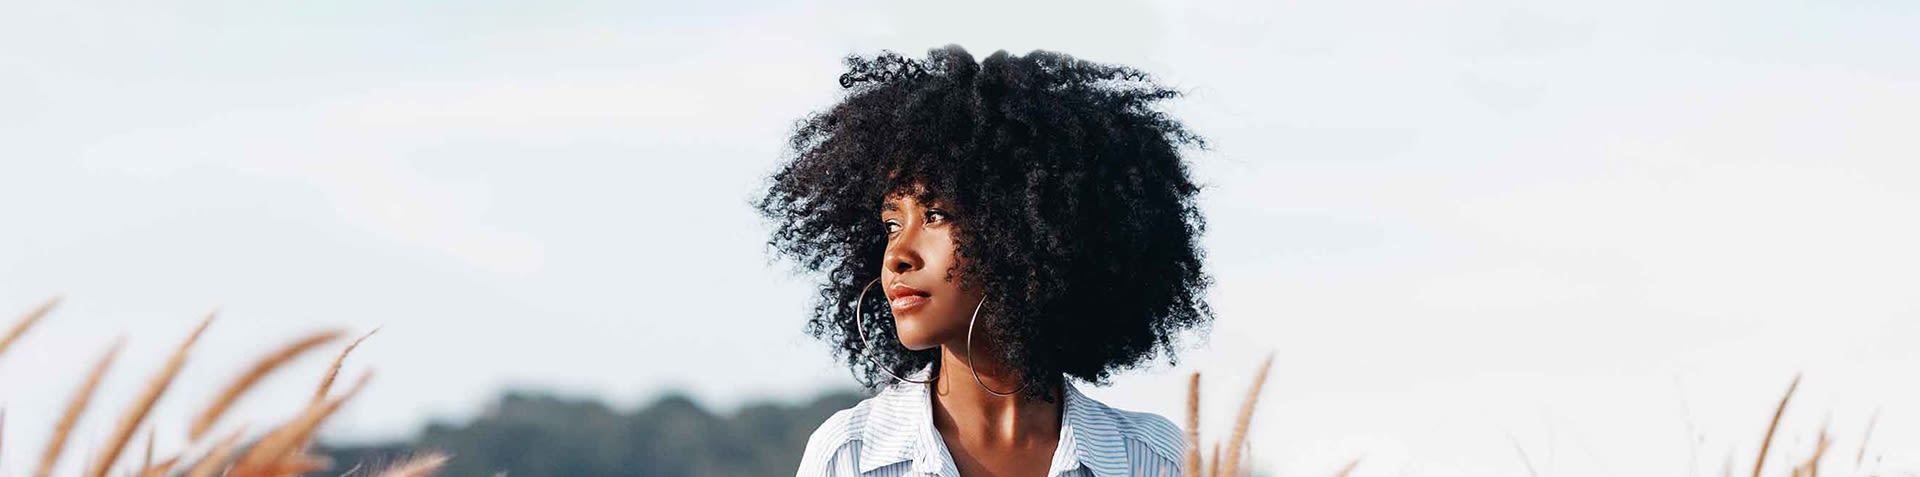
(1477, 237)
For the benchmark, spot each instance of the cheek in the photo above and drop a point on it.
(948, 259)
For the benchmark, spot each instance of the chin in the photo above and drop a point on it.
(914, 336)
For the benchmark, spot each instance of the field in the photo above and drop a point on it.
(217, 448)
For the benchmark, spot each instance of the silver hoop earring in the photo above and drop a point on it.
(976, 370)
(859, 323)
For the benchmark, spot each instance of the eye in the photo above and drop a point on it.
(942, 215)
(892, 226)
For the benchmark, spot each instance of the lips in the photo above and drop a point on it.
(904, 298)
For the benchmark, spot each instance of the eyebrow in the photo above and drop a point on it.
(889, 206)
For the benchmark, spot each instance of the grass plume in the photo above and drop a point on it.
(1866, 438)
(260, 369)
(143, 405)
(1193, 425)
(216, 458)
(1245, 420)
(1767, 443)
(280, 453)
(418, 466)
(333, 371)
(1231, 465)
(76, 406)
(1344, 471)
(25, 323)
(283, 445)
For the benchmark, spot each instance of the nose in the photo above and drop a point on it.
(900, 256)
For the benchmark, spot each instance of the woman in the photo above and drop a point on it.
(985, 231)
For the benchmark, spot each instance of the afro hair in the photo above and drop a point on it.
(1072, 206)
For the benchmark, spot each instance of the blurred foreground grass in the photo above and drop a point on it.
(532, 435)
(282, 451)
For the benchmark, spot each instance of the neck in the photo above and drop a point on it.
(961, 407)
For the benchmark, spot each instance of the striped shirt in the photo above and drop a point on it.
(892, 434)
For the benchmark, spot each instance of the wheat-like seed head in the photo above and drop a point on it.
(1214, 463)
(1349, 468)
(260, 369)
(418, 466)
(1864, 439)
(1193, 425)
(1767, 442)
(1215, 466)
(75, 407)
(25, 323)
(280, 453)
(1245, 419)
(143, 405)
(281, 448)
(210, 463)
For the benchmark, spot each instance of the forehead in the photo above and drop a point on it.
(907, 196)
(898, 201)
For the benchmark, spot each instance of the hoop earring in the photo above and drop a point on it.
(859, 323)
(976, 370)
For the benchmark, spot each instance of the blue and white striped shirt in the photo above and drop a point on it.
(892, 435)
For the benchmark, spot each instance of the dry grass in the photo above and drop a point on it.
(142, 405)
(25, 323)
(1767, 443)
(1234, 467)
(281, 452)
(1193, 425)
(418, 466)
(76, 405)
(326, 382)
(240, 385)
(1866, 438)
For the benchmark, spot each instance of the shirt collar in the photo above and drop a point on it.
(900, 428)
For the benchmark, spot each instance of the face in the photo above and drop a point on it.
(929, 309)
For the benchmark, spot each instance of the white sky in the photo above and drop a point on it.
(1465, 230)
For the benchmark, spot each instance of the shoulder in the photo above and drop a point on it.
(1156, 433)
(835, 443)
(837, 430)
(1142, 431)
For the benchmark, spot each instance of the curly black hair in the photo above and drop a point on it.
(1072, 207)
